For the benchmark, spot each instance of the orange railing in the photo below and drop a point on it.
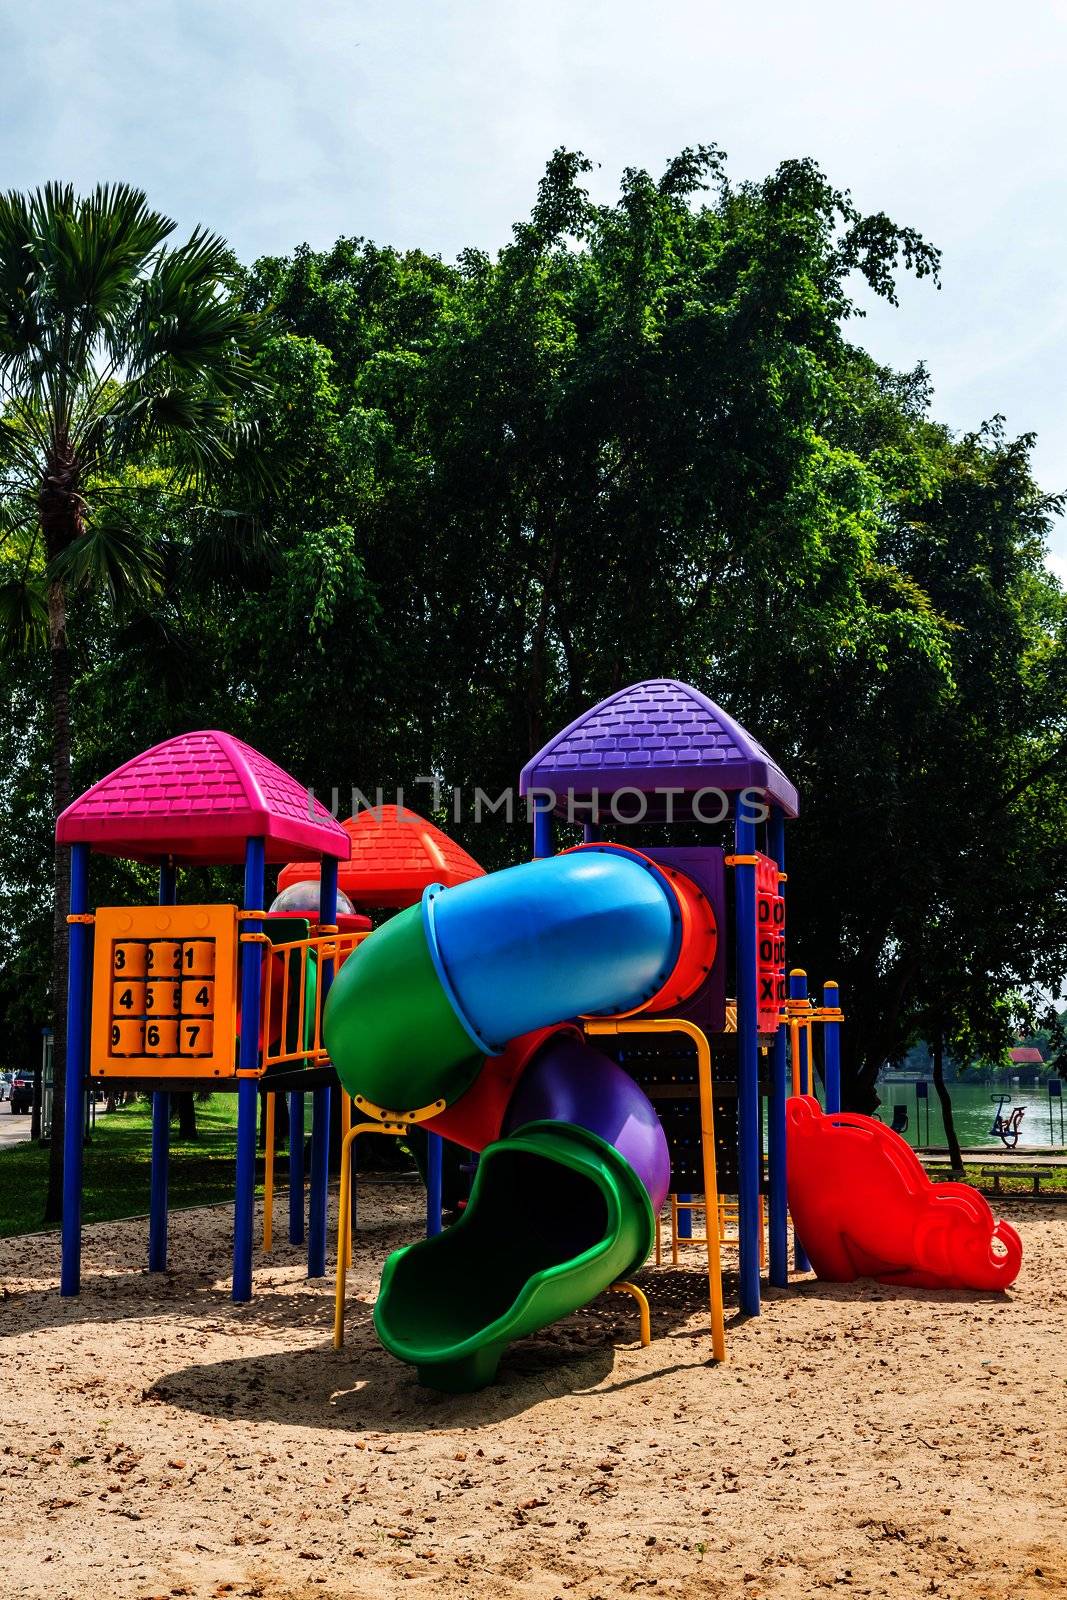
(293, 1033)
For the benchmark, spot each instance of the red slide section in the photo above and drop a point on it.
(864, 1208)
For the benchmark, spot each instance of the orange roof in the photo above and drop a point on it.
(395, 855)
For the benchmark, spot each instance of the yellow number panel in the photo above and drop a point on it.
(164, 992)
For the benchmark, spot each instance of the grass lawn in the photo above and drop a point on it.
(117, 1166)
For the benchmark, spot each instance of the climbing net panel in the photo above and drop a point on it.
(164, 992)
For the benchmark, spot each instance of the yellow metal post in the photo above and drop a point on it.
(346, 1123)
(622, 1287)
(707, 1143)
(794, 1052)
(345, 1210)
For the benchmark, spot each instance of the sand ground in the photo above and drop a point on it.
(156, 1440)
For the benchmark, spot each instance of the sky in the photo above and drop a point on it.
(428, 122)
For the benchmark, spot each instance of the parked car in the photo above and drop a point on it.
(22, 1092)
(5, 1085)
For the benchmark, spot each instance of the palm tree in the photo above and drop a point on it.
(115, 350)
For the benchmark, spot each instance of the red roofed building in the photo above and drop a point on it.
(1026, 1056)
(395, 856)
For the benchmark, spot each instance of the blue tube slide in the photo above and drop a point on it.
(419, 1005)
(594, 930)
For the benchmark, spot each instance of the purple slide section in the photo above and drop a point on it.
(569, 1081)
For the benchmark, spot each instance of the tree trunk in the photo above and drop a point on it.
(186, 1110)
(945, 1098)
(61, 510)
(61, 798)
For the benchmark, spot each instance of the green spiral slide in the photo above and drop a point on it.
(562, 1206)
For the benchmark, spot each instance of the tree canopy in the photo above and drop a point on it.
(123, 362)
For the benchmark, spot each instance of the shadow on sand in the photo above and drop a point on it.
(362, 1389)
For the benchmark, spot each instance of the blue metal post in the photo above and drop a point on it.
(168, 883)
(248, 1077)
(433, 1184)
(157, 1205)
(296, 1168)
(157, 1212)
(320, 1178)
(320, 1100)
(328, 901)
(749, 1135)
(542, 833)
(73, 1120)
(592, 833)
(831, 1061)
(798, 990)
(807, 1066)
(685, 1217)
(778, 1205)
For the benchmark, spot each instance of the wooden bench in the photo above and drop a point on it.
(985, 1173)
(1035, 1174)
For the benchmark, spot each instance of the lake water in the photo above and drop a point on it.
(974, 1106)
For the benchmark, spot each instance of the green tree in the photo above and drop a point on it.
(601, 455)
(115, 349)
(642, 440)
(935, 839)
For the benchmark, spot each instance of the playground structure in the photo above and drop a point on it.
(202, 799)
(600, 1027)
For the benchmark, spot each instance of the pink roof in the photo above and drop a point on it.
(198, 797)
(1024, 1055)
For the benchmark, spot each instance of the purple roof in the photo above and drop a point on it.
(660, 734)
